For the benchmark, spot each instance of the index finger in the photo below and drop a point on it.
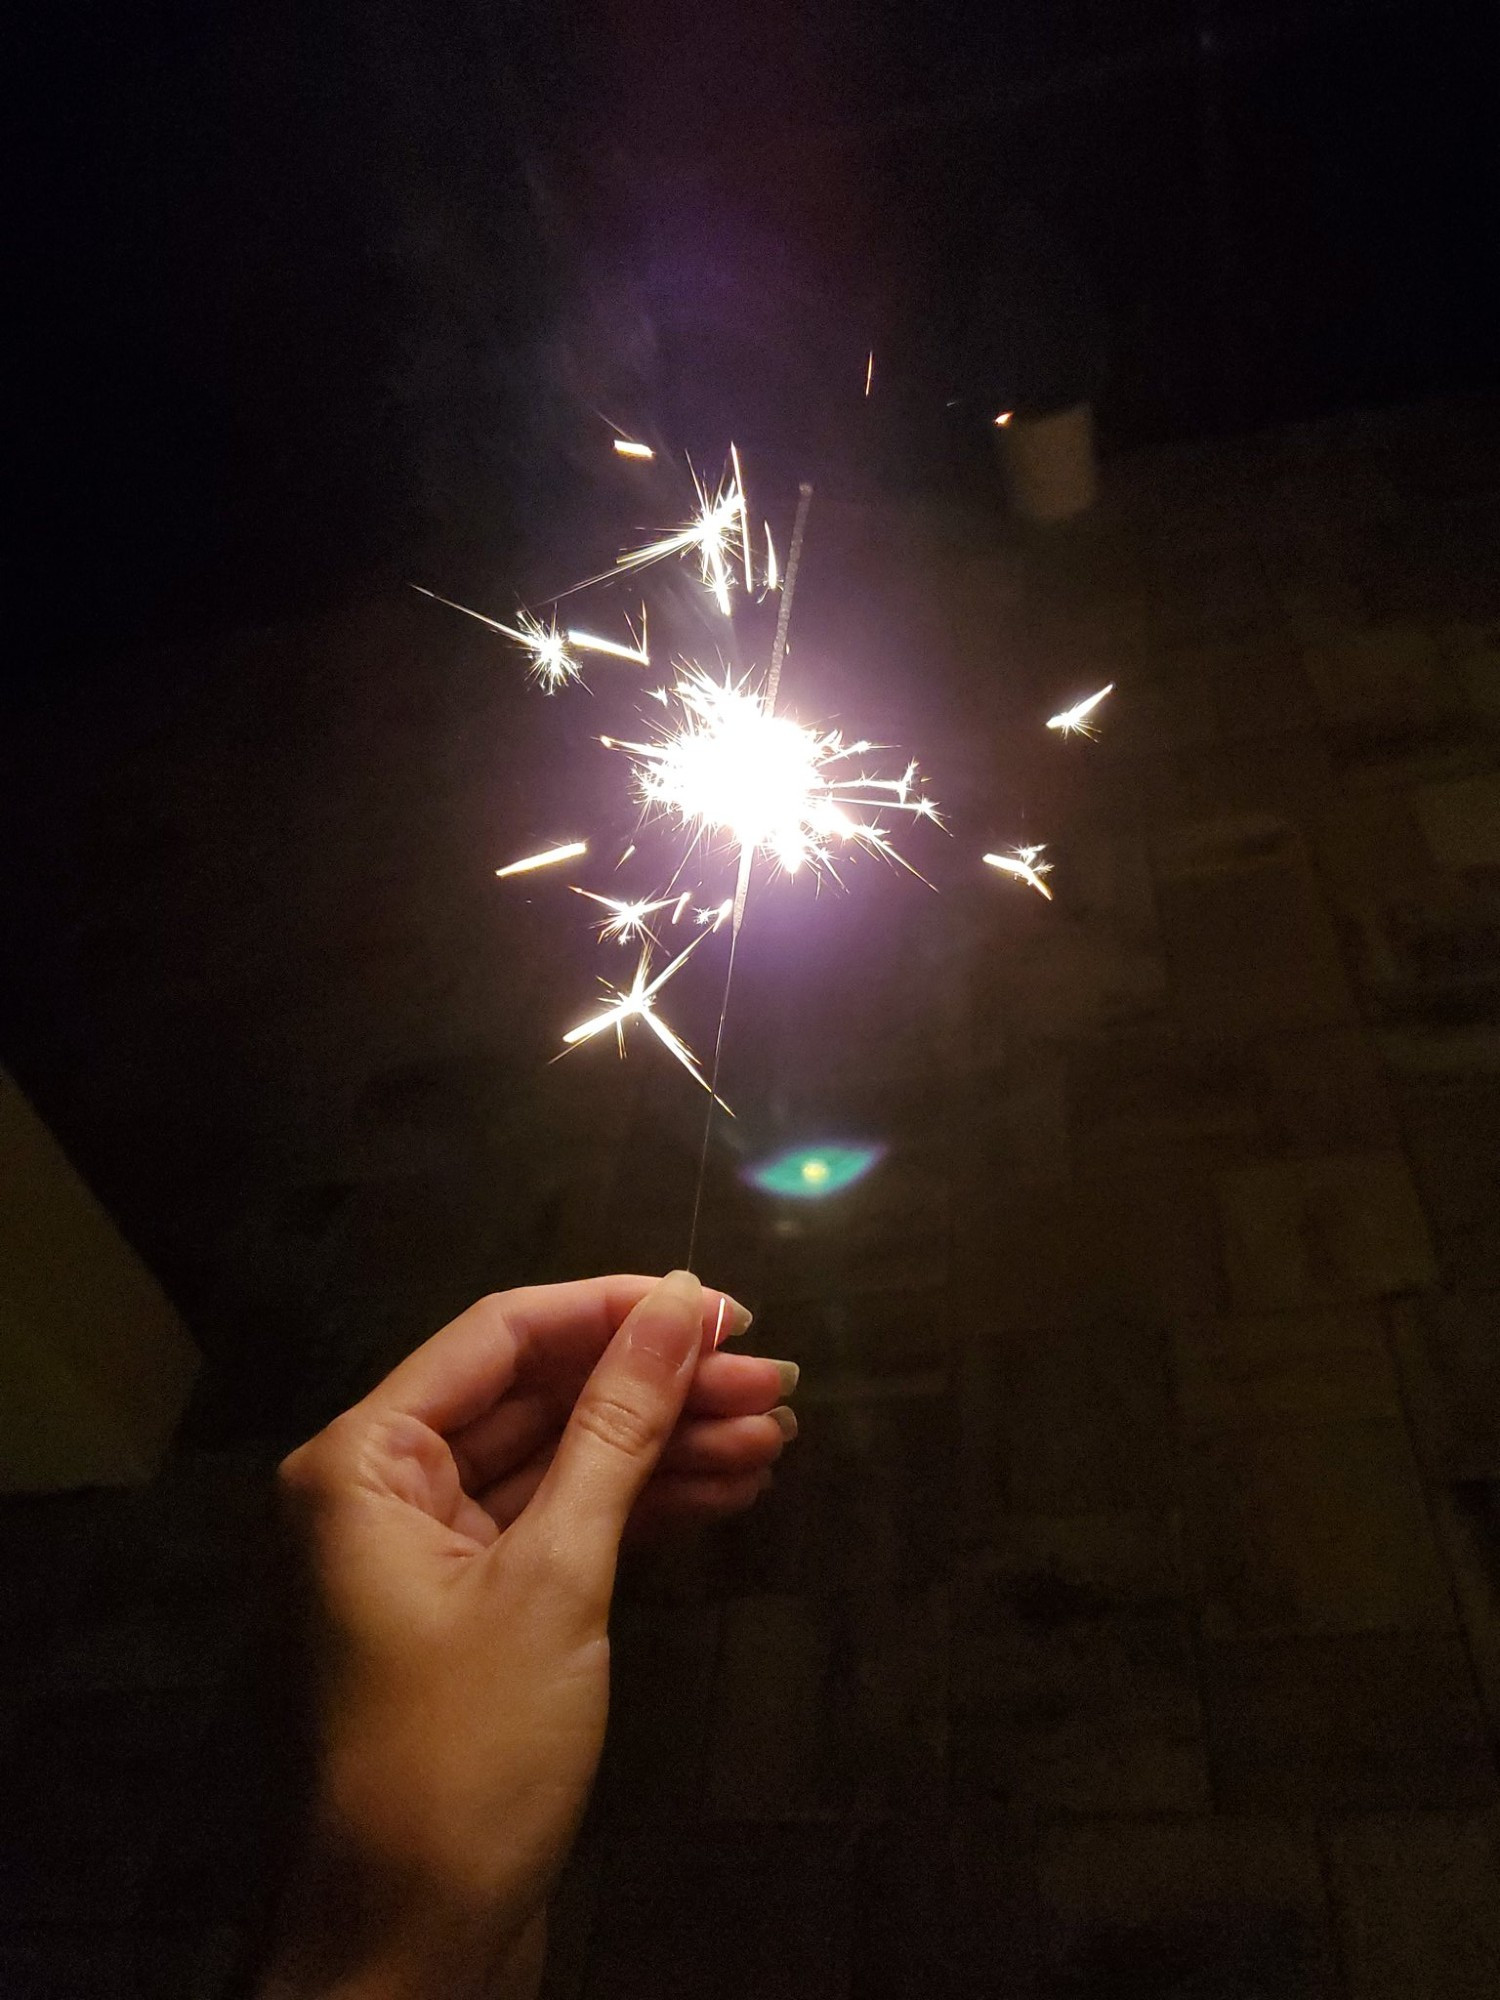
(462, 1370)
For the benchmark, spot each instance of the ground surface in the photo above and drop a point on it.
(1127, 1618)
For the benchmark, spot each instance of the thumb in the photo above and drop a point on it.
(619, 1427)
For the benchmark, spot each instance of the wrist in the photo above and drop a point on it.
(355, 1930)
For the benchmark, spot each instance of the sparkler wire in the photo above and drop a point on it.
(747, 856)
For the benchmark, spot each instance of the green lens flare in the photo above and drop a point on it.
(810, 1173)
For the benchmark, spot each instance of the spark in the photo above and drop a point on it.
(716, 916)
(1003, 419)
(725, 765)
(739, 487)
(1077, 718)
(636, 1003)
(711, 534)
(568, 852)
(551, 665)
(626, 920)
(773, 572)
(629, 448)
(682, 902)
(870, 372)
(1026, 865)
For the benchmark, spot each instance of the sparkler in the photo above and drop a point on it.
(1075, 720)
(1026, 865)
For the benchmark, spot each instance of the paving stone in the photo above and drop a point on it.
(1416, 1899)
(1260, 688)
(744, 1913)
(1250, 948)
(1228, 1908)
(830, 1709)
(1461, 821)
(1366, 1723)
(946, 1911)
(1074, 1684)
(1296, 1367)
(1452, 1126)
(1309, 1232)
(1067, 1420)
(866, 1496)
(1312, 1529)
(1447, 1348)
(662, 1663)
(1466, 1519)
(1322, 1092)
(1386, 686)
(877, 1337)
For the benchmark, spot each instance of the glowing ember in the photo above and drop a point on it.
(628, 448)
(569, 852)
(1075, 720)
(1026, 865)
(1003, 419)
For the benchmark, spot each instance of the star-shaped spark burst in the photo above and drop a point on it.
(550, 662)
(718, 535)
(626, 920)
(1026, 865)
(636, 1004)
(725, 765)
(1076, 720)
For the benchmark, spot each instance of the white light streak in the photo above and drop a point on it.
(1075, 720)
(629, 448)
(1026, 865)
(569, 852)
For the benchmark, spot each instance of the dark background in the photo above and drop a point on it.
(300, 287)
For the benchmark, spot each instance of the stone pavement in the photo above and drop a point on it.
(1126, 1620)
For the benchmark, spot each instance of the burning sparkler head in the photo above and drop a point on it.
(728, 766)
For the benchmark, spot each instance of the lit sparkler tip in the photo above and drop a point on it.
(630, 448)
(773, 572)
(568, 852)
(1003, 419)
(1026, 865)
(1076, 719)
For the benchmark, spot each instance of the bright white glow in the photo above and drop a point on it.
(626, 920)
(628, 448)
(726, 766)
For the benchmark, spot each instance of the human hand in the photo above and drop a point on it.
(463, 1523)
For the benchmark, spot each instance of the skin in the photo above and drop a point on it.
(462, 1526)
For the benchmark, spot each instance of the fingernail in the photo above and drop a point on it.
(668, 1322)
(785, 1422)
(787, 1375)
(735, 1320)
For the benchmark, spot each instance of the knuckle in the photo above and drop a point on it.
(616, 1424)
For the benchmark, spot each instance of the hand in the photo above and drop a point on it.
(463, 1524)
